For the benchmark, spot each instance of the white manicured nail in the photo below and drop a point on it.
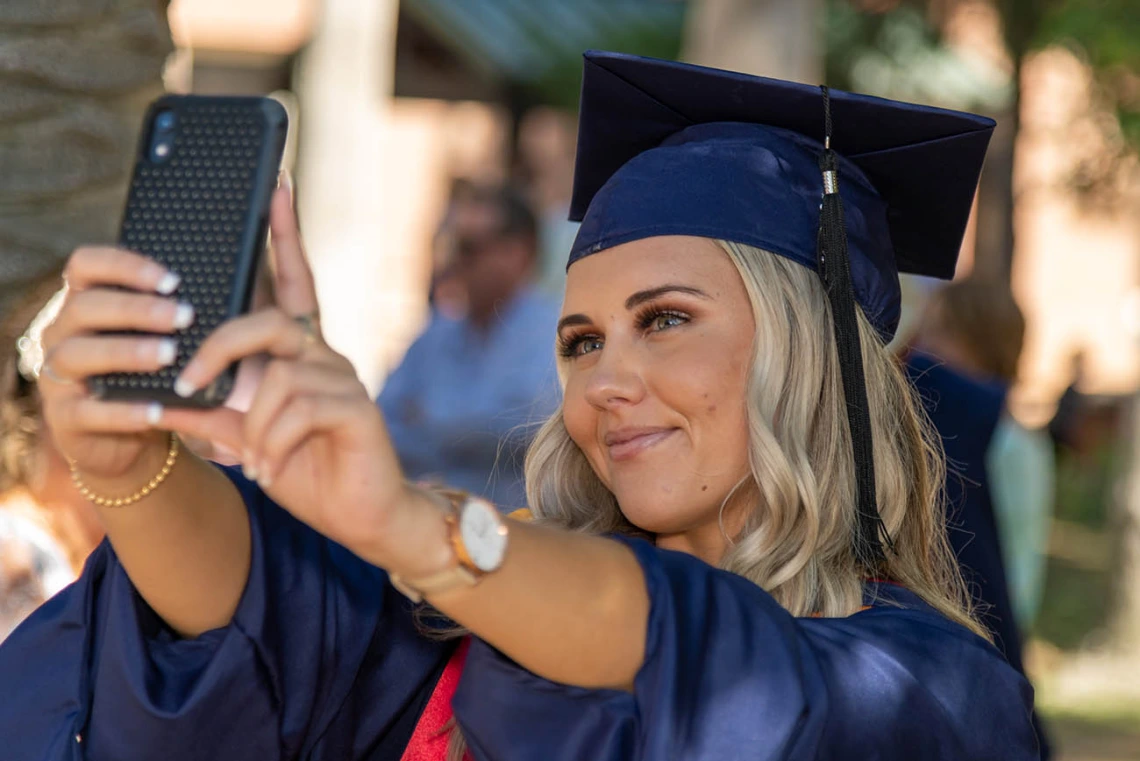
(154, 413)
(184, 388)
(167, 351)
(168, 284)
(183, 316)
(250, 471)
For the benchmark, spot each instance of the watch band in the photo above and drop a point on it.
(429, 585)
(463, 572)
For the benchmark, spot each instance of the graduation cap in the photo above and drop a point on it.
(667, 148)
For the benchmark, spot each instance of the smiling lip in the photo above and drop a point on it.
(626, 443)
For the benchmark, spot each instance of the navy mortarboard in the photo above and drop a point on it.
(668, 148)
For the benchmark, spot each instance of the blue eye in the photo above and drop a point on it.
(579, 345)
(667, 320)
(656, 320)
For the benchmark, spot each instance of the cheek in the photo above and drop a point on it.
(712, 396)
(580, 419)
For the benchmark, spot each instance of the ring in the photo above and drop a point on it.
(47, 372)
(308, 323)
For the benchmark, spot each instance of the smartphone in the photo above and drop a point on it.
(198, 203)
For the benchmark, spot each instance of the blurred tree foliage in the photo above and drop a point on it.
(894, 48)
(899, 53)
(1106, 33)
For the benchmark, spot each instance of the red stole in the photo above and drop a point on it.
(432, 732)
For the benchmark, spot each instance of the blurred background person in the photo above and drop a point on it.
(967, 410)
(47, 529)
(446, 291)
(462, 404)
(977, 328)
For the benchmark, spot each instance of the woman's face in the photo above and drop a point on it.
(656, 343)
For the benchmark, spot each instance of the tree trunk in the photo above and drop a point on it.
(994, 243)
(772, 38)
(75, 79)
(1126, 623)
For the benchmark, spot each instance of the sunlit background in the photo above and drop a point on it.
(392, 100)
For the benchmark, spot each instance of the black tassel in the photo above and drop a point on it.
(835, 272)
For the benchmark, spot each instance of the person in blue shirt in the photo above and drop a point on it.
(473, 388)
(737, 547)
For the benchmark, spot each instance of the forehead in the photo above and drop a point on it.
(618, 272)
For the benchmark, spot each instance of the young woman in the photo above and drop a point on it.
(736, 550)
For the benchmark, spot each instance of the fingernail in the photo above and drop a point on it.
(168, 284)
(167, 351)
(183, 316)
(154, 413)
(250, 471)
(287, 181)
(264, 480)
(184, 388)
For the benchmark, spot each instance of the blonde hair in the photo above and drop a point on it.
(797, 542)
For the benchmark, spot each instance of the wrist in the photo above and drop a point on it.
(415, 540)
(133, 482)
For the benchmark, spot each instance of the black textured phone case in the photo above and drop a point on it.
(203, 213)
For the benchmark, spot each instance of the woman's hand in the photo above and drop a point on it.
(109, 441)
(312, 436)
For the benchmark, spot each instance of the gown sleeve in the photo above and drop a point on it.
(322, 659)
(728, 673)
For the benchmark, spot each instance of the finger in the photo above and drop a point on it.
(282, 382)
(302, 417)
(268, 331)
(220, 427)
(83, 356)
(101, 265)
(91, 416)
(102, 309)
(296, 292)
(53, 386)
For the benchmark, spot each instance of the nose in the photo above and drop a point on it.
(615, 379)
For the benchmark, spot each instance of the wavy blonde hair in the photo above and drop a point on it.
(797, 540)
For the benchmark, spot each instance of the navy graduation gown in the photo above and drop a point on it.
(731, 674)
(966, 413)
(323, 662)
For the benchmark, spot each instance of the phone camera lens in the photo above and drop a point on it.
(165, 121)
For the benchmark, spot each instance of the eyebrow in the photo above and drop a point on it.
(648, 295)
(636, 300)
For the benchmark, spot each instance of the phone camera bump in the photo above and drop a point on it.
(164, 122)
(162, 137)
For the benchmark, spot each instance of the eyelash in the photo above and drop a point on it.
(568, 345)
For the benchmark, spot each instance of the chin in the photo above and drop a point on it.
(663, 510)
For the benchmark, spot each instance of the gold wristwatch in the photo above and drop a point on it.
(478, 535)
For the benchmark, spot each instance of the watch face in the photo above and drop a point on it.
(484, 534)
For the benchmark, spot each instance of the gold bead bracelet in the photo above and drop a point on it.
(85, 490)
